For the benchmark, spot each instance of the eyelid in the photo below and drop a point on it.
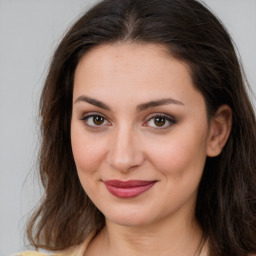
(89, 114)
(168, 117)
(86, 116)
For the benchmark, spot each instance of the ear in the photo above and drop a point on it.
(220, 127)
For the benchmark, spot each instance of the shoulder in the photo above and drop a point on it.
(77, 250)
(35, 253)
(30, 253)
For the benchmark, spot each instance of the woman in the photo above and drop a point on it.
(149, 137)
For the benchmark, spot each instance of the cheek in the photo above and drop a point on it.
(181, 155)
(88, 150)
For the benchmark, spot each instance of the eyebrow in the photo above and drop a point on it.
(139, 108)
(156, 103)
(93, 101)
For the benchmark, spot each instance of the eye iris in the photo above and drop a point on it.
(98, 120)
(159, 121)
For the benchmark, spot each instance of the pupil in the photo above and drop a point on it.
(159, 121)
(98, 120)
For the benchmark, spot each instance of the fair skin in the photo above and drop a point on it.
(137, 116)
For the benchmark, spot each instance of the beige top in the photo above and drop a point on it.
(78, 250)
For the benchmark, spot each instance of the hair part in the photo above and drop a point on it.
(226, 203)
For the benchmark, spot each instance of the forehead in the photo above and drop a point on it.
(129, 59)
(129, 70)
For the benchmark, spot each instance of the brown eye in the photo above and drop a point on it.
(98, 120)
(95, 121)
(159, 121)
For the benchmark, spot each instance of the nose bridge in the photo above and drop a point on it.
(125, 152)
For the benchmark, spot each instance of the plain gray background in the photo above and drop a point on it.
(29, 33)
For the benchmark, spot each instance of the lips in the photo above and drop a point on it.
(128, 189)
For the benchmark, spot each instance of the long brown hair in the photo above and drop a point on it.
(226, 204)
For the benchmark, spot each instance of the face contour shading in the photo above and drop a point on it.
(139, 133)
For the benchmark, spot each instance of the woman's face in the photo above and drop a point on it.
(139, 133)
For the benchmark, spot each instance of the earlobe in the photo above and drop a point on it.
(220, 127)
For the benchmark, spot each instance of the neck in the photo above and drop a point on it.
(163, 238)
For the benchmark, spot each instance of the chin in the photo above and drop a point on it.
(130, 217)
(129, 221)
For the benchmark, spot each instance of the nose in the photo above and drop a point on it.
(125, 152)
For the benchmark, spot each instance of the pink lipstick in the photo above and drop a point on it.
(128, 189)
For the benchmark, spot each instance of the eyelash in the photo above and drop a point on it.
(94, 115)
(166, 118)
